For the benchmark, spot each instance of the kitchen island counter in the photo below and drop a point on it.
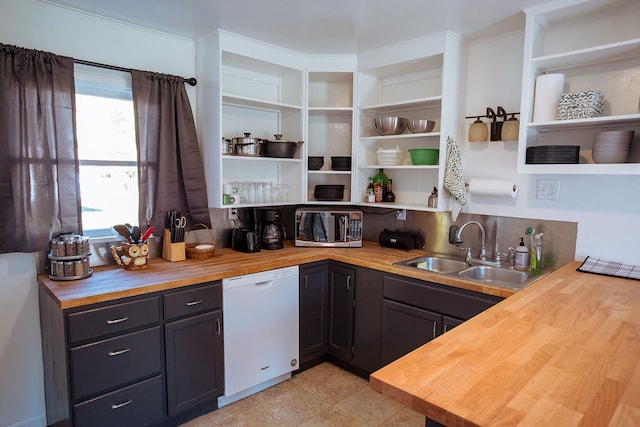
(562, 352)
(110, 282)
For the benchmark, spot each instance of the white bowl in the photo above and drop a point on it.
(610, 156)
(390, 156)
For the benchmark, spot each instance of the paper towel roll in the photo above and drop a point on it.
(493, 187)
(549, 88)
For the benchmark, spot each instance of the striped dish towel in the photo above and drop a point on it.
(610, 268)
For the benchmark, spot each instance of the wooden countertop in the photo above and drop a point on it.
(109, 282)
(563, 352)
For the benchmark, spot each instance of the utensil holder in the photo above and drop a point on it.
(172, 251)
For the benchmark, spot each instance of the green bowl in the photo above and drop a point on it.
(424, 156)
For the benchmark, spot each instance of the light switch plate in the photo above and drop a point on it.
(548, 189)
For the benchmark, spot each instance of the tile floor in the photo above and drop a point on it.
(324, 395)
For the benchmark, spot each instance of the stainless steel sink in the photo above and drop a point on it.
(490, 275)
(512, 279)
(435, 264)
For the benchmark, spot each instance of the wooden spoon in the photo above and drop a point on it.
(123, 231)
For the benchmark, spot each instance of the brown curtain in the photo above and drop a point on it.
(170, 167)
(39, 184)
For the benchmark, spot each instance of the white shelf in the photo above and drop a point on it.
(330, 110)
(329, 172)
(399, 205)
(586, 123)
(260, 159)
(243, 101)
(406, 167)
(581, 169)
(581, 57)
(402, 136)
(429, 102)
(561, 38)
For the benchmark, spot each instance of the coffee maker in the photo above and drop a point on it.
(270, 230)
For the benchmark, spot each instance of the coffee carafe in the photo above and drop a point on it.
(271, 231)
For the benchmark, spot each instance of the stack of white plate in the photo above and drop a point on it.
(612, 146)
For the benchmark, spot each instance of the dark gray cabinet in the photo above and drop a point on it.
(416, 311)
(355, 318)
(194, 357)
(314, 311)
(342, 285)
(149, 360)
(406, 328)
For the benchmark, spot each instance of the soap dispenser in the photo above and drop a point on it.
(522, 256)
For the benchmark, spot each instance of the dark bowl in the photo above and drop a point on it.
(341, 163)
(315, 162)
(328, 192)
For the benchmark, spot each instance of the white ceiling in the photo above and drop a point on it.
(316, 26)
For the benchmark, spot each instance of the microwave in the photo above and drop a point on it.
(328, 227)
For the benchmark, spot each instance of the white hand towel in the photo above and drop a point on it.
(454, 178)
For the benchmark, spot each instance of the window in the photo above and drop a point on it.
(107, 152)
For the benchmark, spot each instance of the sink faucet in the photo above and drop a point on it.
(458, 240)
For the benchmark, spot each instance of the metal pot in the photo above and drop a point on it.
(247, 146)
(279, 148)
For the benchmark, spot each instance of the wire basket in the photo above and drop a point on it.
(200, 250)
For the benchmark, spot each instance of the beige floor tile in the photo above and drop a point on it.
(233, 409)
(333, 417)
(405, 418)
(297, 406)
(369, 407)
(324, 395)
(203, 421)
(257, 416)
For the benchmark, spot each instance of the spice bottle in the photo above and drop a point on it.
(389, 196)
(371, 195)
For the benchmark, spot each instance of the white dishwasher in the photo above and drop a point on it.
(260, 315)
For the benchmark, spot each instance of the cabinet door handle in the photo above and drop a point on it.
(306, 279)
(445, 328)
(120, 405)
(119, 352)
(196, 302)
(218, 327)
(434, 328)
(348, 283)
(120, 320)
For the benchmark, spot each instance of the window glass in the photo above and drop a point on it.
(107, 153)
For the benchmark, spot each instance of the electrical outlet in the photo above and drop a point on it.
(548, 189)
(233, 213)
(401, 214)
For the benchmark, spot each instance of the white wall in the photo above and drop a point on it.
(606, 207)
(30, 24)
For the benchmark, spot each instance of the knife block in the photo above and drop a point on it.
(172, 251)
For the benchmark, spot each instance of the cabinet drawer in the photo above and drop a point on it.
(192, 301)
(137, 405)
(114, 361)
(443, 299)
(99, 322)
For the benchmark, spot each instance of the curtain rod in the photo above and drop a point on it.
(191, 81)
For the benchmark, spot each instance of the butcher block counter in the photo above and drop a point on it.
(109, 282)
(563, 352)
